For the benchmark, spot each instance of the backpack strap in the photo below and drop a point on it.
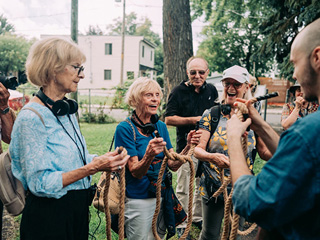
(36, 112)
(134, 134)
(215, 113)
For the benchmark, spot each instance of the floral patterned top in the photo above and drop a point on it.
(218, 143)
(288, 108)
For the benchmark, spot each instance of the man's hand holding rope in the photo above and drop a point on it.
(260, 127)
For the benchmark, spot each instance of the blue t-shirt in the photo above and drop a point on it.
(41, 153)
(285, 195)
(138, 188)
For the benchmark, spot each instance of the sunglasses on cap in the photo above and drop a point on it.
(194, 72)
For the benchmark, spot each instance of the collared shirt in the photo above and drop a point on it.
(185, 102)
(285, 195)
(42, 153)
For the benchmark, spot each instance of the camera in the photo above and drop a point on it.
(9, 82)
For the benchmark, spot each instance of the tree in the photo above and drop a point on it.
(13, 53)
(286, 19)
(5, 26)
(177, 41)
(232, 36)
(94, 30)
(130, 26)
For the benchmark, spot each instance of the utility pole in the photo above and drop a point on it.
(74, 20)
(74, 37)
(122, 41)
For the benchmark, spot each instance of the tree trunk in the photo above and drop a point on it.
(177, 42)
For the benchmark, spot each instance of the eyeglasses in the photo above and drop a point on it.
(236, 85)
(81, 68)
(194, 72)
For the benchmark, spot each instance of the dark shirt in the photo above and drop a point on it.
(185, 102)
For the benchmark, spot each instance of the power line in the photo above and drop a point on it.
(48, 15)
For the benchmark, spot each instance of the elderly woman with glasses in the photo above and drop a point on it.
(213, 150)
(49, 153)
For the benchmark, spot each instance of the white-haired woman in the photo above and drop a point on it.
(146, 153)
(49, 153)
(213, 150)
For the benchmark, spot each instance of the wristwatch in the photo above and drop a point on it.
(4, 111)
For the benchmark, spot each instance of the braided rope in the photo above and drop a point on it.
(175, 157)
(233, 220)
(106, 204)
(121, 202)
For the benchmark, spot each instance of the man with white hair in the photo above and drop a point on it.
(285, 197)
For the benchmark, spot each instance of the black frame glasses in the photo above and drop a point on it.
(81, 68)
(236, 85)
(194, 72)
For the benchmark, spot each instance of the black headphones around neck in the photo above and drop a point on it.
(204, 85)
(60, 107)
(147, 128)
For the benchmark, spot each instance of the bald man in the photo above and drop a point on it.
(284, 198)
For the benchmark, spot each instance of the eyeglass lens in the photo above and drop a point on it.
(194, 72)
(81, 68)
(234, 84)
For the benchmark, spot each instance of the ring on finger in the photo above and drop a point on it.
(119, 168)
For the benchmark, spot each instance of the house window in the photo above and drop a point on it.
(108, 49)
(130, 75)
(151, 56)
(142, 51)
(107, 74)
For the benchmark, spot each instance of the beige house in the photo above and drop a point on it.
(102, 68)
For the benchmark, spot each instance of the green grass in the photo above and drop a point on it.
(99, 100)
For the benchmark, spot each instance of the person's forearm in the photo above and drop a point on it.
(238, 164)
(77, 174)
(6, 126)
(268, 135)
(202, 155)
(291, 119)
(180, 121)
(140, 168)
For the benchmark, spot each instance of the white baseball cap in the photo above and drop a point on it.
(237, 73)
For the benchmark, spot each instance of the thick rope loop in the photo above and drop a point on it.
(121, 203)
(174, 157)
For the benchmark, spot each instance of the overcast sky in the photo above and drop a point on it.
(32, 18)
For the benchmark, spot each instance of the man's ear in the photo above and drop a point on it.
(315, 58)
